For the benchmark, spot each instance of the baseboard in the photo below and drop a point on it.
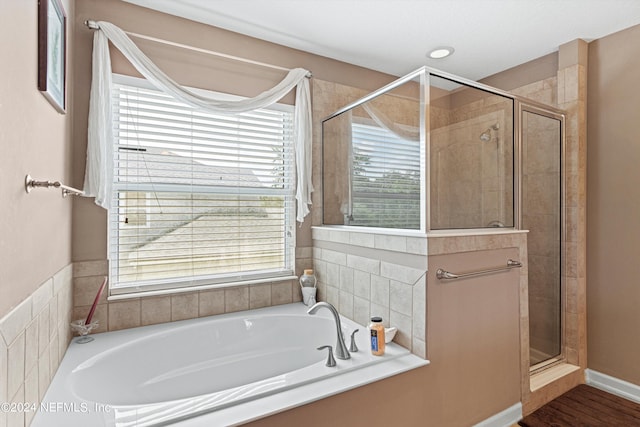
(506, 418)
(613, 385)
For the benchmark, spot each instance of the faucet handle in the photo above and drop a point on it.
(331, 362)
(353, 347)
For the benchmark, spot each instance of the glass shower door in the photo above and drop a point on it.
(541, 214)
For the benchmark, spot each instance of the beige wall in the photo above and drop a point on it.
(613, 291)
(35, 139)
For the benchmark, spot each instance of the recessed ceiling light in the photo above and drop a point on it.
(440, 52)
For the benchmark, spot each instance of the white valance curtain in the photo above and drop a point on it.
(99, 169)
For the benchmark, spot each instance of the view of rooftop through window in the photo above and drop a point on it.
(198, 198)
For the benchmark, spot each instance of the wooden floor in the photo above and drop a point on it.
(585, 406)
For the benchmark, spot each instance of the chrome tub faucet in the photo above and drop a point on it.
(341, 348)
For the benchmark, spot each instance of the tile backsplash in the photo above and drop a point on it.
(368, 274)
(33, 339)
(130, 313)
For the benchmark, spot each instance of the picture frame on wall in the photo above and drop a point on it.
(52, 51)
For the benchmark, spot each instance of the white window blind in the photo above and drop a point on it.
(385, 179)
(198, 198)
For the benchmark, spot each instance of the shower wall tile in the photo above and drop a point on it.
(401, 273)
(363, 264)
(31, 336)
(401, 298)
(346, 279)
(383, 276)
(362, 239)
(380, 290)
(362, 284)
(391, 243)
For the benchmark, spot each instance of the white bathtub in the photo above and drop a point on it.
(221, 370)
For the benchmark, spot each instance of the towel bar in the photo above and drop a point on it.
(446, 275)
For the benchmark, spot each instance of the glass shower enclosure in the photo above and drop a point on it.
(433, 151)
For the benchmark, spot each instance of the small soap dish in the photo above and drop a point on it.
(389, 333)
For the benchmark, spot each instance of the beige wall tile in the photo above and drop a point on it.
(361, 312)
(15, 360)
(184, 306)
(17, 418)
(63, 279)
(400, 273)
(259, 296)
(42, 296)
(362, 239)
(31, 346)
(237, 299)
(404, 325)
(44, 375)
(419, 347)
(345, 306)
(390, 243)
(363, 264)
(123, 314)
(211, 302)
(419, 309)
(16, 321)
(90, 268)
(380, 290)
(362, 284)
(54, 357)
(155, 310)
(281, 293)
(31, 393)
(346, 279)
(85, 290)
(401, 298)
(53, 316)
(43, 330)
(333, 274)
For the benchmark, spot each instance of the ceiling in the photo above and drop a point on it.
(393, 36)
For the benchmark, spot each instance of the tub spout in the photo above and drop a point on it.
(341, 348)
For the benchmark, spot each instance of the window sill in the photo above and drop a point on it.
(186, 289)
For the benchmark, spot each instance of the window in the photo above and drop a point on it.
(385, 179)
(198, 198)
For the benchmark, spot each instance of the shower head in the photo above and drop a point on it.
(486, 135)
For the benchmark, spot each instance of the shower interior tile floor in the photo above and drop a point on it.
(585, 406)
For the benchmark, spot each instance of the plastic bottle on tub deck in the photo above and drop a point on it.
(376, 329)
(308, 285)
